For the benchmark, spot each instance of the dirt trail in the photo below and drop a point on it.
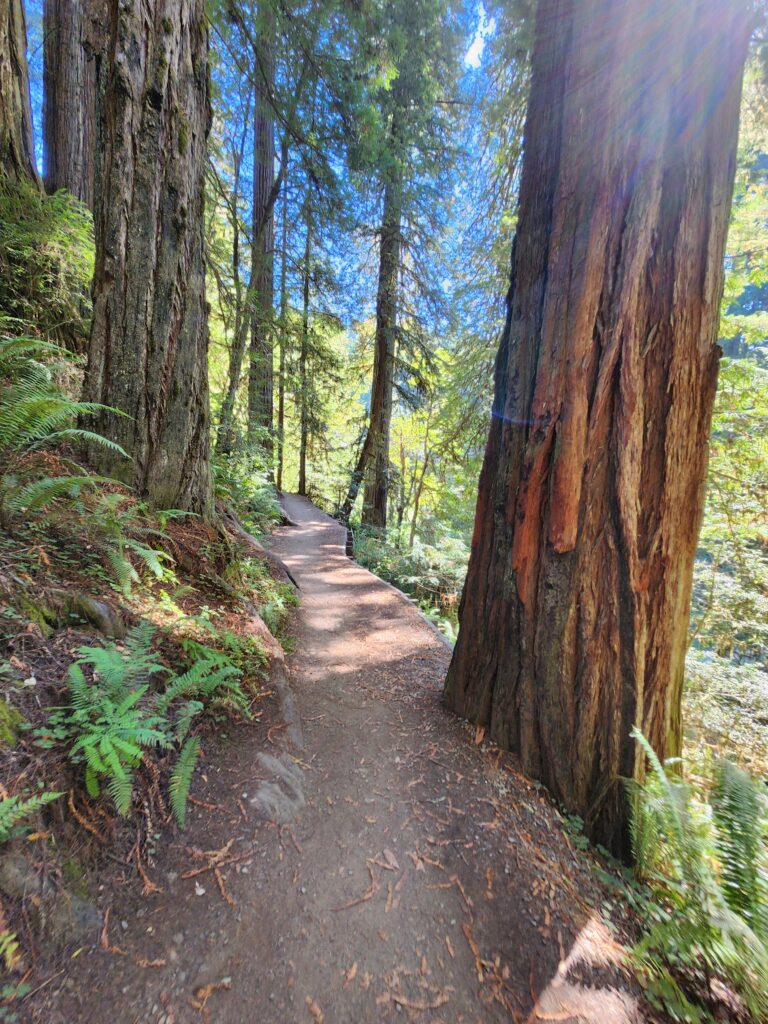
(407, 873)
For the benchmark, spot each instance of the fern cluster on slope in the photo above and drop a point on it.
(110, 723)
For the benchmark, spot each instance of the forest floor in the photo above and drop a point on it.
(368, 858)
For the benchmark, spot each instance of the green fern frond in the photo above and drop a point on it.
(14, 809)
(181, 778)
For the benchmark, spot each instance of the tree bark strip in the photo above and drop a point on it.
(304, 350)
(261, 372)
(69, 92)
(148, 349)
(377, 485)
(283, 320)
(574, 617)
(17, 148)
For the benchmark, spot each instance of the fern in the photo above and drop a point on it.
(110, 723)
(10, 952)
(15, 809)
(712, 913)
(35, 413)
(739, 816)
(181, 778)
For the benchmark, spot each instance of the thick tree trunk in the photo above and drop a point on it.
(283, 320)
(377, 442)
(574, 616)
(148, 349)
(261, 372)
(17, 148)
(69, 109)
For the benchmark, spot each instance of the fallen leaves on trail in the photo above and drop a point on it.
(415, 1004)
(412, 991)
(489, 884)
(149, 886)
(367, 895)
(82, 820)
(391, 860)
(467, 929)
(350, 974)
(204, 993)
(315, 1011)
(105, 943)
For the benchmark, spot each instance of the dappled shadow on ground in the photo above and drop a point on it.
(408, 870)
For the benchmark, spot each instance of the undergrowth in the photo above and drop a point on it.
(704, 859)
(124, 702)
(433, 577)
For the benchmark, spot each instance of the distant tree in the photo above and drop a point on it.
(406, 158)
(574, 617)
(17, 149)
(147, 355)
(261, 355)
(69, 98)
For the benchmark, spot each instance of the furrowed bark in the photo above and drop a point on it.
(69, 90)
(283, 320)
(377, 443)
(574, 617)
(148, 349)
(303, 352)
(17, 149)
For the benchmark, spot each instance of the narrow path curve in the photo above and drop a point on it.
(408, 872)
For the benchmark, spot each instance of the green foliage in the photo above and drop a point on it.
(706, 868)
(181, 778)
(110, 723)
(36, 414)
(15, 809)
(10, 952)
(46, 261)
(241, 481)
(433, 576)
(739, 818)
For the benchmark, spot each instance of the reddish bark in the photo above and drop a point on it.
(574, 617)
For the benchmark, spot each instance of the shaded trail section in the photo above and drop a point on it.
(391, 866)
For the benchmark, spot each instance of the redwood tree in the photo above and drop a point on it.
(17, 150)
(69, 108)
(148, 349)
(574, 618)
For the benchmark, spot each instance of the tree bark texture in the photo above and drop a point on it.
(574, 617)
(149, 340)
(283, 320)
(261, 372)
(304, 348)
(377, 483)
(69, 93)
(17, 148)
